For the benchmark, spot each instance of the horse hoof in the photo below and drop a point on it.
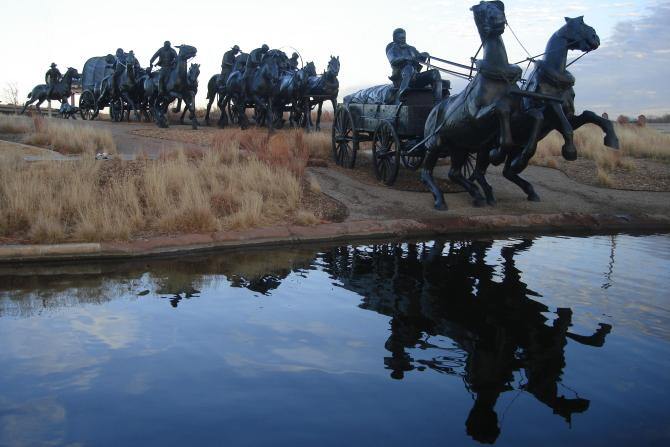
(479, 203)
(491, 201)
(496, 157)
(569, 152)
(533, 197)
(441, 206)
(318, 128)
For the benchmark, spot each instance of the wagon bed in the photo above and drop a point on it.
(393, 129)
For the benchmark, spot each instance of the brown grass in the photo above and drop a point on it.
(635, 141)
(15, 124)
(319, 144)
(220, 189)
(68, 138)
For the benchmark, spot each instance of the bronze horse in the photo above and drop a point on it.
(323, 88)
(472, 121)
(61, 91)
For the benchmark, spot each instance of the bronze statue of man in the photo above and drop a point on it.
(227, 63)
(254, 60)
(52, 77)
(167, 57)
(293, 62)
(406, 62)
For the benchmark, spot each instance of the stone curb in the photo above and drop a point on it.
(334, 232)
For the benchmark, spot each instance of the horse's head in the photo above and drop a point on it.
(579, 35)
(301, 76)
(334, 66)
(490, 18)
(270, 65)
(71, 73)
(186, 52)
(193, 73)
(310, 68)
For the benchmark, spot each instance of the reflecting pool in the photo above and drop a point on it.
(538, 341)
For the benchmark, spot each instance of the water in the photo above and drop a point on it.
(544, 341)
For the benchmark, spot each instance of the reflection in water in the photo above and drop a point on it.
(453, 309)
(449, 290)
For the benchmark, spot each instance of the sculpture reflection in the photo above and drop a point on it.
(495, 327)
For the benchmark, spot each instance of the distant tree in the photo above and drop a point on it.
(10, 94)
(623, 119)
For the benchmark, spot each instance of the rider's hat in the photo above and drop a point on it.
(167, 43)
(53, 65)
(265, 47)
(236, 48)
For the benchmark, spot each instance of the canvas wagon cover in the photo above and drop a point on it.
(95, 70)
(380, 94)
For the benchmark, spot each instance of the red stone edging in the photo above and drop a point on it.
(332, 232)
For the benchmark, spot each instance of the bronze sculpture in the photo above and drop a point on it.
(406, 63)
(60, 91)
(166, 56)
(472, 121)
(325, 87)
(52, 77)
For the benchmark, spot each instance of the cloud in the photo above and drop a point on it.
(630, 72)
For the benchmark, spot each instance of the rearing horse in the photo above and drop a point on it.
(61, 91)
(537, 119)
(471, 121)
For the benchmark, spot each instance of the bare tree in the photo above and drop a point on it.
(11, 95)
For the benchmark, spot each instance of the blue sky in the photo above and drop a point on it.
(68, 32)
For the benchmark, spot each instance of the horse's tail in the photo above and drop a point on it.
(30, 95)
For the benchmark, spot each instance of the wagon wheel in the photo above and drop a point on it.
(116, 110)
(468, 168)
(386, 153)
(87, 105)
(413, 161)
(344, 138)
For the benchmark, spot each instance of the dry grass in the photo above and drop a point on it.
(220, 189)
(15, 124)
(68, 138)
(635, 141)
(319, 144)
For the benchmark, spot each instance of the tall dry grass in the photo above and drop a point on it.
(635, 142)
(68, 138)
(15, 124)
(85, 200)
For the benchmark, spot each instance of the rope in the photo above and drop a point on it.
(517, 39)
(583, 54)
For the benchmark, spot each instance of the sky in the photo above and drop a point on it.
(628, 74)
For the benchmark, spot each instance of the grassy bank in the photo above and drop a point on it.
(184, 192)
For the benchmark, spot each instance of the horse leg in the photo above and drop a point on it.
(503, 111)
(191, 107)
(209, 107)
(427, 179)
(178, 108)
(132, 106)
(270, 116)
(520, 162)
(458, 159)
(25, 106)
(569, 151)
(318, 117)
(479, 175)
(513, 177)
(37, 106)
(588, 117)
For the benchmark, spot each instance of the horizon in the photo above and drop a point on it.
(634, 57)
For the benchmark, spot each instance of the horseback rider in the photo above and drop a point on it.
(406, 62)
(294, 63)
(254, 60)
(167, 57)
(227, 62)
(52, 77)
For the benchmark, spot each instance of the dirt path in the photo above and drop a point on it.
(559, 194)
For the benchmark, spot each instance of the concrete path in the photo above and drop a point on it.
(559, 194)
